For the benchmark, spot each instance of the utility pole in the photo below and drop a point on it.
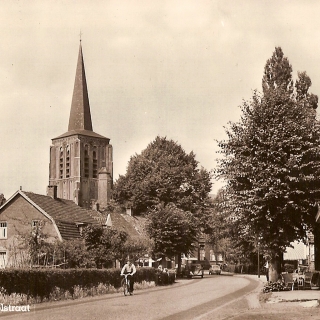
(258, 259)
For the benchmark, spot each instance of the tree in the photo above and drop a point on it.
(74, 254)
(272, 163)
(163, 173)
(173, 230)
(105, 245)
(2, 199)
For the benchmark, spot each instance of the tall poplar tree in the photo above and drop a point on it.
(272, 162)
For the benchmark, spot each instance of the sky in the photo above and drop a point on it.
(178, 69)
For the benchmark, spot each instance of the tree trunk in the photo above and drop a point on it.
(317, 247)
(179, 264)
(274, 269)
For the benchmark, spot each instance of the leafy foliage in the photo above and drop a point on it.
(222, 232)
(163, 173)
(105, 245)
(44, 282)
(73, 254)
(2, 199)
(173, 230)
(272, 160)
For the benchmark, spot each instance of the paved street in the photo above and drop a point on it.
(213, 297)
(188, 299)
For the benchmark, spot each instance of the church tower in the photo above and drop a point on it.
(81, 164)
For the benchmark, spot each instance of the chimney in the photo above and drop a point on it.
(52, 192)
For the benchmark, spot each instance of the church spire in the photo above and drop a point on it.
(80, 116)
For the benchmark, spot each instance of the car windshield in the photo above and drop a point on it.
(215, 267)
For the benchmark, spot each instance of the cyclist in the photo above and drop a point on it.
(129, 268)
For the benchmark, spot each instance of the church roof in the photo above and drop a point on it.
(80, 116)
(86, 133)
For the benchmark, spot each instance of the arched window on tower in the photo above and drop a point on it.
(95, 165)
(61, 163)
(86, 162)
(68, 162)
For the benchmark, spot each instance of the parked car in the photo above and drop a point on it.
(214, 269)
(193, 270)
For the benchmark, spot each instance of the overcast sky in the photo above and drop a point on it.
(178, 69)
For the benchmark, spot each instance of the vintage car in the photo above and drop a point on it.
(193, 270)
(215, 269)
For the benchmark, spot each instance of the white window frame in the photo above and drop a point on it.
(3, 259)
(212, 256)
(3, 230)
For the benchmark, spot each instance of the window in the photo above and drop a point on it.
(3, 230)
(212, 256)
(35, 223)
(86, 163)
(95, 165)
(3, 259)
(61, 163)
(68, 163)
(202, 254)
(36, 228)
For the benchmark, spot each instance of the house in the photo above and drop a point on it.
(59, 219)
(207, 254)
(299, 254)
(80, 185)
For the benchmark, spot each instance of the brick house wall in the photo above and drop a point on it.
(16, 224)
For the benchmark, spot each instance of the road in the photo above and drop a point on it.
(188, 299)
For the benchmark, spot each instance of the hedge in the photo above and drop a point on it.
(42, 282)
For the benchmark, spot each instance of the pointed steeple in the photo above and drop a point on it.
(80, 116)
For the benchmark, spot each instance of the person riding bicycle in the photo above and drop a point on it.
(129, 268)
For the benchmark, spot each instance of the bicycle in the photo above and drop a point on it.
(126, 284)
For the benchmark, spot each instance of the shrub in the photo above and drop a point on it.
(289, 268)
(46, 283)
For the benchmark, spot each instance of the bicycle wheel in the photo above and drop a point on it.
(128, 287)
(125, 288)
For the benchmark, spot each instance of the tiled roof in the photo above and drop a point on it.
(66, 214)
(123, 222)
(138, 223)
(64, 210)
(68, 230)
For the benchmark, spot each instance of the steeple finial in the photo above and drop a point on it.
(80, 116)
